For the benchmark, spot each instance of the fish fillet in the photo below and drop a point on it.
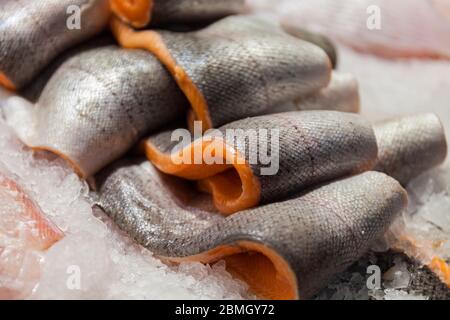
(238, 67)
(315, 38)
(413, 28)
(306, 148)
(97, 105)
(140, 13)
(410, 145)
(285, 250)
(33, 33)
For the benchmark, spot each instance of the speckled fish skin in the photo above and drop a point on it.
(410, 145)
(244, 66)
(319, 234)
(98, 105)
(33, 33)
(33, 90)
(193, 11)
(314, 147)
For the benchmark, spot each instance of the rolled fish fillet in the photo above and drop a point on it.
(33, 33)
(238, 67)
(97, 105)
(316, 38)
(410, 145)
(286, 250)
(140, 13)
(342, 94)
(268, 158)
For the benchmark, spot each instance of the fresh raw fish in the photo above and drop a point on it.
(342, 94)
(410, 145)
(33, 33)
(309, 147)
(285, 250)
(238, 67)
(97, 105)
(413, 28)
(24, 233)
(140, 13)
(315, 38)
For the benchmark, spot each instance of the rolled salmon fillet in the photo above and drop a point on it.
(97, 105)
(33, 33)
(316, 38)
(286, 250)
(238, 67)
(268, 158)
(342, 94)
(410, 145)
(141, 13)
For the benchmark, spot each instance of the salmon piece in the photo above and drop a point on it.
(96, 105)
(25, 233)
(24, 220)
(314, 147)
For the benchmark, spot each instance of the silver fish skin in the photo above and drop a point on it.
(304, 149)
(33, 90)
(33, 33)
(152, 13)
(97, 105)
(317, 234)
(410, 145)
(342, 94)
(314, 147)
(193, 11)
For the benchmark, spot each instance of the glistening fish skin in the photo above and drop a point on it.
(277, 155)
(318, 234)
(33, 33)
(193, 11)
(97, 105)
(410, 145)
(314, 147)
